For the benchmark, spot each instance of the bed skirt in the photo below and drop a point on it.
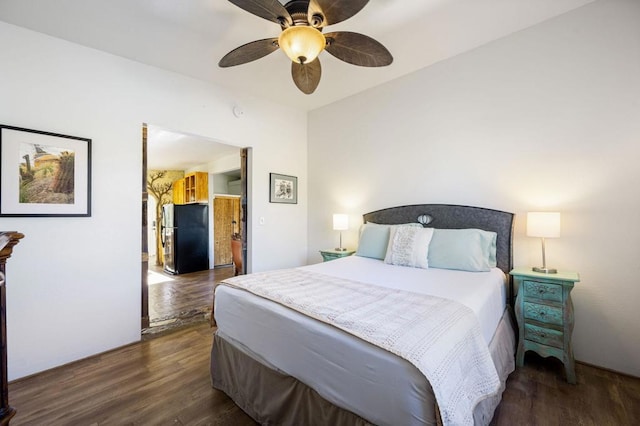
(274, 398)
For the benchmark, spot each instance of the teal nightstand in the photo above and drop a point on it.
(332, 254)
(544, 311)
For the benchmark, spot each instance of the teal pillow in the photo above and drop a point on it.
(373, 241)
(471, 250)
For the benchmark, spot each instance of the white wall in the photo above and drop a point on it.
(547, 118)
(74, 283)
(220, 182)
(220, 166)
(224, 164)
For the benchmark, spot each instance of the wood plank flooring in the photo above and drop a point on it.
(160, 381)
(179, 300)
(165, 381)
(538, 394)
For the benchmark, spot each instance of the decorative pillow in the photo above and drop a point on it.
(471, 250)
(374, 239)
(409, 246)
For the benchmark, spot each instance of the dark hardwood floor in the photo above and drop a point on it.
(179, 300)
(165, 381)
(538, 394)
(161, 381)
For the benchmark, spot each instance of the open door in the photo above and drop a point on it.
(226, 223)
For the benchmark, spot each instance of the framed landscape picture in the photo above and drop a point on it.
(283, 189)
(44, 174)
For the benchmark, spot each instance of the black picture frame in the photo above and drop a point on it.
(44, 174)
(283, 189)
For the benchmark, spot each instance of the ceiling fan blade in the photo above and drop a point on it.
(307, 76)
(357, 49)
(334, 11)
(249, 52)
(271, 10)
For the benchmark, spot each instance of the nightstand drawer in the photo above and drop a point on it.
(543, 335)
(543, 313)
(544, 291)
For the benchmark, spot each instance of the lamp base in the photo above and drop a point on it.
(340, 249)
(543, 270)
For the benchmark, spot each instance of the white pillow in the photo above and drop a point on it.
(409, 246)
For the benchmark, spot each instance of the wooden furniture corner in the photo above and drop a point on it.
(7, 241)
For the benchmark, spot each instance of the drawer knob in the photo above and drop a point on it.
(543, 335)
(541, 291)
(542, 313)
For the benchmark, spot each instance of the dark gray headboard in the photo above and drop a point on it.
(447, 216)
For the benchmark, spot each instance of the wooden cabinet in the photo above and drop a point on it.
(544, 311)
(196, 187)
(178, 191)
(193, 188)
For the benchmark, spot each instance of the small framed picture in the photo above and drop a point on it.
(283, 189)
(44, 174)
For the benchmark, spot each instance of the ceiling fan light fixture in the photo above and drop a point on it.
(302, 44)
(302, 39)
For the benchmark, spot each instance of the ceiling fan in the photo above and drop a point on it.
(302, 22)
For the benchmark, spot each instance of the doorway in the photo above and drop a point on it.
(191, 293)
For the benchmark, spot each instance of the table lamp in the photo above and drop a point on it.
(340, 223)
(543, 225)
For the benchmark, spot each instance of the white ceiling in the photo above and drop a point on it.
(169, 150)
(190, 37)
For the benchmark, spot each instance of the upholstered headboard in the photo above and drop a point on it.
(447, 216)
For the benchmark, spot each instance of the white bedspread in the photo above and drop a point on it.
(459, 366)
(483, 292)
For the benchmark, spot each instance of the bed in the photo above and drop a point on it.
(283, 366)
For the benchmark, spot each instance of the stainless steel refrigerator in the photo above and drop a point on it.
(185, 237)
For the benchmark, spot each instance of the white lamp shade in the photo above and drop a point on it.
(543, 224)
(340, 222)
